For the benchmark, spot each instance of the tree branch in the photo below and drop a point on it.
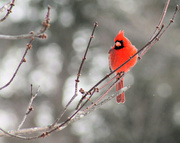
(29, 108)
(60, 126)
(8, 10)
(40, 34)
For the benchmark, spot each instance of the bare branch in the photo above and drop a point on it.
(84, 58)
(78, 75)
(17, 133)
(81, 111)
(29, 108)
(157, 28)
(58, 127)
(40, 34)
(5, 7)
(24, 36)
(8, 10)
(81, 114)
(89, 109)
(170, 22)
(21, 62)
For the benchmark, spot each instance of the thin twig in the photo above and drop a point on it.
(112, 85)
(84, 58)
(113, 78)
(29, 108)
(78, 75)
(102, 96)
(109, 98)
(32, 34)
(21, 62)
(157, 28)
(15, 136)
(170, 22)
(8, 11)
(23, 36)
(163, 31)
(5, 7)
(46, 23)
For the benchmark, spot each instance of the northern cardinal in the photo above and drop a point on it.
(118, 54)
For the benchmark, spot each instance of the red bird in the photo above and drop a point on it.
(118, 54)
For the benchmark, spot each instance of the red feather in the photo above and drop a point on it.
(118, 54)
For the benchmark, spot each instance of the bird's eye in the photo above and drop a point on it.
(119, 44)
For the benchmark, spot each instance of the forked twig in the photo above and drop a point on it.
(29, 108)
(102, 96)
(170, 22)
(40, 34)
(102, 102)
(157, 28)
(32, 34)
(84, 58)
(112, 79)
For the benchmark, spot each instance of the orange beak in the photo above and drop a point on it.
(118, 44)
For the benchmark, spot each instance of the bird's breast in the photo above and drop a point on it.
(119, 56)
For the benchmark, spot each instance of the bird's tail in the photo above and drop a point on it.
(120, 98)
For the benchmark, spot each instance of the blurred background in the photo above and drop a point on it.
(151, 112)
